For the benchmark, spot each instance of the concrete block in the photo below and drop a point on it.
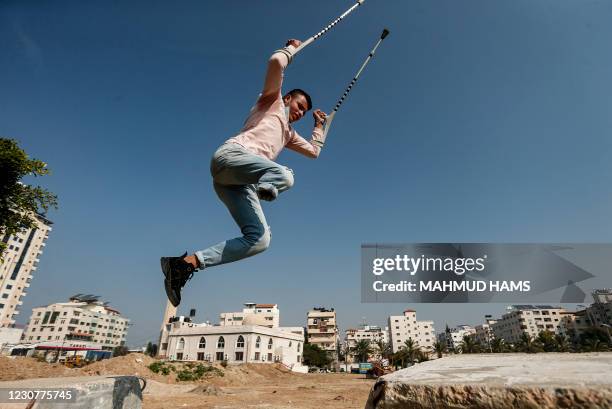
(99, 392)
(499, 381)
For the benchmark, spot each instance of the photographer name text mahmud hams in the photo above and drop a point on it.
(453, 286)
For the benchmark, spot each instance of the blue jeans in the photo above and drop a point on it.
(241, 179)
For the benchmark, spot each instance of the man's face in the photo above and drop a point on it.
(298, 106)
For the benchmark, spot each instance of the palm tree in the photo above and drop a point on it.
(383, 348)
(528, 344)
(499, 345)
(439, 348)
(409, 351)
(595, 345)
(362, 350)
(547, 340)
(563, 344)
(469, 346)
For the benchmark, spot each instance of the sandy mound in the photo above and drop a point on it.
(15, 368)
(137, 365)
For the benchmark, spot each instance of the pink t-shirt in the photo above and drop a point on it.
(267, 130)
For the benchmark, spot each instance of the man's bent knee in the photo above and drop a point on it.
(262, 243)
(288, 177)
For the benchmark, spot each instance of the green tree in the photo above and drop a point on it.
(499, 345)
(408, 352)
(120, 350)
(594, 345)
(440, 348)
(314, 356)
(362, 350)
(383, 349)
(528, 344)
(19, 203)
(547, 341)
(469, 345)
(563, 344)
(151, 349)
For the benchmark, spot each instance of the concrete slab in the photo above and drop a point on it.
(100, 392)
(498, 381)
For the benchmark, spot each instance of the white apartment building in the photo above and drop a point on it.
(322, 330)
(531, 320)
(404, 327)
(266, 315)
(484, 332)
(82, 318)
(454, 336)
(370, 333)
(21, 259)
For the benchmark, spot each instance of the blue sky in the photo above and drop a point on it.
(478, 120)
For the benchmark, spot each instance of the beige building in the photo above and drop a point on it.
(82, 318)
(531, 320)
(21, 259)
(405, 327)
(322, 330)
(484, 332)
(266, 315)
(370, 333)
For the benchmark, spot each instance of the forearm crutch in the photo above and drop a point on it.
(329, 26)
(330, 117)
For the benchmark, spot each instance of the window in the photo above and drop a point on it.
(4, 295)
(179, 356)
(240, 344)
(8, 286)
(239, 356)
(221, 343)
(219, 356)
(270, 343)
(290, 343)
(269, 357)
(200, 356)
(181, 344)
(202, 343)
(257, 354)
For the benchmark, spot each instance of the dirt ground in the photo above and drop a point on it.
(243, 386)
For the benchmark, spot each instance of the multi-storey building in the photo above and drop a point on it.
(405, 327)
(530, 320)
(266, 315)
(83, 318)
(21, 259)
(322, 330)
(371, 333)
(453, 337)
(600, 312)
(484, 332)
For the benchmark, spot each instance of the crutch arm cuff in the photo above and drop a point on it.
(288, 52)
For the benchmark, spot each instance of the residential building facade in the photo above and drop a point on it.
(530, 320)
(484, 334)
(322, 330)
(21, 260)
(405, 327)
(371, 333)
(266, 315)
(82, 318)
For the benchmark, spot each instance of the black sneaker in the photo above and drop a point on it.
(177, 272)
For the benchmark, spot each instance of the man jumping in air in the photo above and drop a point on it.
(244, 172)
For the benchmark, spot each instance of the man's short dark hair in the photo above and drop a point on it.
(298, 91)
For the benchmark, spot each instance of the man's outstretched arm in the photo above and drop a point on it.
(276, 66)
(311, 148)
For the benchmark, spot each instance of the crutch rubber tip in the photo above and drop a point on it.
(384, 34)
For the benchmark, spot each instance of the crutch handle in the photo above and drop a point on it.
(384, 34)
